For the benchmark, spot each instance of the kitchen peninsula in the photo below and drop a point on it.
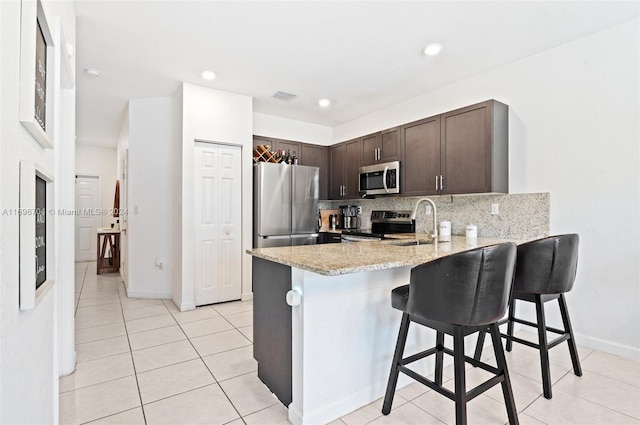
(330, 353)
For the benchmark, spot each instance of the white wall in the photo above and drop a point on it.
(574, 132)
(122, 152)
(102, 162)
(223, 117)
(29, 340)
(176, 197)
(149, 197)
(288, 129)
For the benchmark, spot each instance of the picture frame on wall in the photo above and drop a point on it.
(36, 233)
(36, 73)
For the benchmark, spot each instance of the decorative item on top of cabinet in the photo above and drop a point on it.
(263, 153)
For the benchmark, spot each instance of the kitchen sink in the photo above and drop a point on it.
(411, 243)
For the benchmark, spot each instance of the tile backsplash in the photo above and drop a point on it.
(521, 215)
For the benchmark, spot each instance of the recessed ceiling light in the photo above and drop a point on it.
(208, 75)
(432, 49)
(324, 103)
(92, 73)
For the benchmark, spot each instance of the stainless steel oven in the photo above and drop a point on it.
(380, 179)
(382, 222)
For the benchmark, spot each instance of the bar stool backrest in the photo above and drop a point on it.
(470, 288)
(548, 265)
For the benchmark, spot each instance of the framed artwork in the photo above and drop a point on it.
(36, 65)
(36, 233)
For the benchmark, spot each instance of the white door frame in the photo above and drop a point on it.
(97, 218)
(239, 236)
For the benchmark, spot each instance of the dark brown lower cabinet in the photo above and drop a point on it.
(272, 326)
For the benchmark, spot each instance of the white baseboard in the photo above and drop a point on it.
(247, 296)
(151, 295)
(185, 306)
(610, 347)
(626, 351)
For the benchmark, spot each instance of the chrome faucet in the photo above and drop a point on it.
(434, 235)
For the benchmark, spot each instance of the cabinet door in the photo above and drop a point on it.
(353, 155)
(383, 146)
(466, 152)
(390, 145)
(288, 145)
(336, 180)
(261, 140)
(421, 157)
(370, 148)
(316, 156)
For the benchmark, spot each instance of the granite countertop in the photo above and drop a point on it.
(344, 258)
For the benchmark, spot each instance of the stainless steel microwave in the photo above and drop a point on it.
(380, 179)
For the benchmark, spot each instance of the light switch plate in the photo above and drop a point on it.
(495, 209)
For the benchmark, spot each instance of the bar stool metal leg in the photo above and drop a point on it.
(544, 347)
(397, 357)
(573, 351)
(512, 316)
(459, 372)
(501, 361)
(439, 357)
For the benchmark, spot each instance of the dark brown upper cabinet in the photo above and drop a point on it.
(475, 149)
(345, 159)
(420, 167)
(383, 146)
(316, 156)
(461, 151)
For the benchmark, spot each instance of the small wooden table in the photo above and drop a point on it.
(110, 237)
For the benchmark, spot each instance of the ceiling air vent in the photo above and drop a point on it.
(285, 96)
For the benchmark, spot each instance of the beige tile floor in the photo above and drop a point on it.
(144, 362)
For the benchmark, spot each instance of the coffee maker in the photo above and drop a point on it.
(349, 217)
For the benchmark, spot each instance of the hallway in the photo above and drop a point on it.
(144, 362)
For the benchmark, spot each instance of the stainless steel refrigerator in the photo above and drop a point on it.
(285, 205)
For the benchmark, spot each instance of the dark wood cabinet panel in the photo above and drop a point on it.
(370, 146)
(474, 154)
(261, 140)
(345, 159)
(337, 156)
(383, 146)
(353, 152)
(316, 156)
(390, 145)
(272, 326)
(421, 157)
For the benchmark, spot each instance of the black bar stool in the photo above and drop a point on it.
(456, 295)
(545, 270)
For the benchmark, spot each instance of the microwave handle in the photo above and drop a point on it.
(384, 179)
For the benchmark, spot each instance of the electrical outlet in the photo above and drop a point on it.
(427, 209)
(495, 209)
(359, 209)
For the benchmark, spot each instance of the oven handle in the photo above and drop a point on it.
(384, 179)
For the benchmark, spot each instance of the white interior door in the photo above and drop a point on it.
(88, 202)
(218, 250)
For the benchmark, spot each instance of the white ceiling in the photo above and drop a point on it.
(363, 55)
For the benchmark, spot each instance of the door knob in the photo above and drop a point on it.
(294, 297)
(227, 231)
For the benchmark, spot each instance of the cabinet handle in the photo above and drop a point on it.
(378, 155)
(441, 182)
(436, 182)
